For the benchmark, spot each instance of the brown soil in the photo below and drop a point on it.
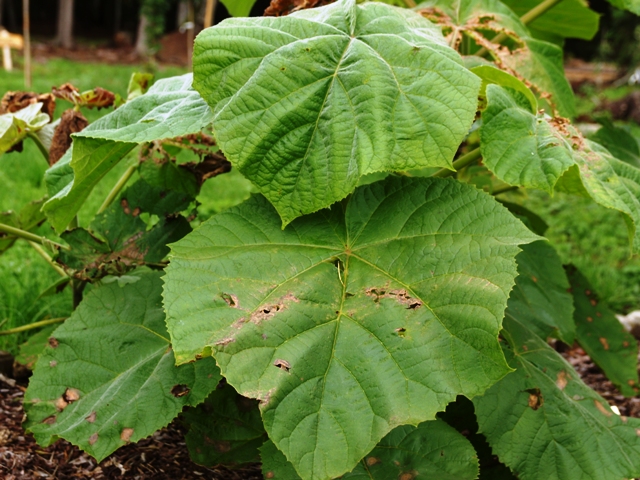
(164, 455)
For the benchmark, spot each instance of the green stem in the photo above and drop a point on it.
(463, 161)
(40, 145)
(410, 3)
(505, 189)
(31, 326)
(527, 18)
(48, 258)
(16, 232)
(117, 187)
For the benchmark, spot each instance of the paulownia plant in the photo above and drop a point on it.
(383, 306)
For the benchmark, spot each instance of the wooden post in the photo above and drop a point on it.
(191, 19)
(7, 42)
(26, 27)
(208, 13)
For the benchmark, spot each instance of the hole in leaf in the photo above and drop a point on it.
(282, 364)
(231, 300)
(535, 398)
(50, 420)
(180, 390)
(126, 433)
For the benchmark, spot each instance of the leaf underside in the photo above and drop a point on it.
(308, 103)
(415, 272)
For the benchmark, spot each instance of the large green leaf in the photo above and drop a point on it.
(108, 375)
(540, 298)
(170, 108)
(520, 147)
(414, 271)
(567, 19)
(307, 104)
(602, 336)
(14, 127)
(543, 422)
(226, 429)
(538, 62)
(431, 450)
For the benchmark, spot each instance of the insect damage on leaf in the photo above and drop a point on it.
(126, 434)
(535, 398)
(400, 295)
(180, 390)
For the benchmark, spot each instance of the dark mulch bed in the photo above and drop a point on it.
(164, 455)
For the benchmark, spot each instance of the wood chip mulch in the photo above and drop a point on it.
(164, 455)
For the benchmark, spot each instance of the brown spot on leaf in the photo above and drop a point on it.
(408, 475)
(535, 398)
(400, 331)
(50, 420)
(561, 380)
(604, 342)
(282, 364)
(589, 319)
(625, 344)
(525, 348)
(401, 296)
(124, 203)
(602, 408)
(180, 390)
(53, 363)
(225, 341)
(93, 439)
(71, 395)
(126, 433)
(535, 280)
(92, 417)
(230, 299)
(136, 211)
(265, 312)
(598, 314)
(60, 404)
(269, 475)
(593, 302)
(631, 382)
(53, 343)
(372, 461)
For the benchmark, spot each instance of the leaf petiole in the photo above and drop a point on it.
(117, 187)
(40, 145)
(32, 326)
(463, 161)
(47, 257)
(16, 232)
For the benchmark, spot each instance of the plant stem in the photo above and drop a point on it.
(48, 258)
(461, 162)
(117, 187)
(505, 189)
(31, 326)
(409, 3)
(40, 145)
(527, 18)
(16, 232)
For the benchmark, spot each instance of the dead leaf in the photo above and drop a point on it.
(70, 122)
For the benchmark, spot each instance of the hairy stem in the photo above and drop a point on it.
(527, 18)
(117, 187)
(48, 258)
(463, 161)
(32, 326)
(40, 145)
(16, 232)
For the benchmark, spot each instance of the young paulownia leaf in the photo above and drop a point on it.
(537, 62)
(308, 103)
(169, 109)
(431, 450)
(602, 336)
(108, 376)
(567, 19)
(543, 422)
(226, 429)
(540, 298)
(519, 146)
(415, 272)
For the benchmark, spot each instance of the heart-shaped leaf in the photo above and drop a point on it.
(108, 375)
(412, 272)
(568, 430)
(308, 103)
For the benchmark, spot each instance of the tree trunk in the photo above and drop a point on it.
(65, 23)
(142, 42)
